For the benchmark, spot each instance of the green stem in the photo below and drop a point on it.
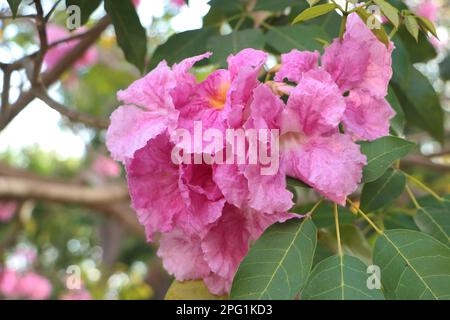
(314, 207)
(338, 234)
(374, 226)
(413, 198)
(420, 184)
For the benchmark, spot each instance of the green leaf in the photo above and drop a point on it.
(422, 51)
(427, 25)
(435, 222)
(398, 121)
(87, 7)
(412, 26)
(444, 68)
(271, 5)
(413, 265)
(14, 6)
(352, 240)
(301, 37)
(293, 182)
(223, 46)
(130, 33)
(190, 290)
(381, 153)
(397, 219)
(382, 191)
(323, 216)
(389, 11)
(182, 45)
(314, 12)
(340, 278)
(421, 103)
(379, 33)
(312, 2)
(279, 263)
(222, 11)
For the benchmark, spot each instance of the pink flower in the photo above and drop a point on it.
(8, 283)
(312, 148)
(150, 108)
(7, 210)
(34, 286)
(55, 54)
(428, 9)
(106, 167)
(178, 3)
(29, 285)
(136, 3)
(195, 200)
(81, 294)
(215, 257)
(360, 65)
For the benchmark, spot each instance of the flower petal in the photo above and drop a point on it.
(131, 128)
(367, 117)
(295, 63)
(315, 106)
(182, 256)
(332, 165)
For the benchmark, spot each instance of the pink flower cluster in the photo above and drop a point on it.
(207, 215)
(28, 285)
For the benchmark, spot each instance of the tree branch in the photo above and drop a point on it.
(53, 75)
(71, 114)
(22, 188)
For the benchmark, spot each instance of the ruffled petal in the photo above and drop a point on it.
(226, 243)
(367, 117)
(332, 165)
(153, 182)
(295, 63)
(186, 82)
(315, 106)
(232, 182)
(131, 128)
(360, 60)
(182, 256)
(151, 92)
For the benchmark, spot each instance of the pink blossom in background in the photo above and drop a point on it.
(81, 294)
(34, 286)
(55, 54)
(136, 3)
(106, 167)
(428, 9)
(7, 210)
(26, 286)
(178, 3)
(8, 283)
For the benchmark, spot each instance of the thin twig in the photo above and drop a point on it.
(53, 75)
(5, 91)
(42, 33)
(71, 114)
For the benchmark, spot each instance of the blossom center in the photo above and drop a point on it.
(218, 99)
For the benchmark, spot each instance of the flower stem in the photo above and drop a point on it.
(314, 208)
(374, 226)
(423, 186)
(338, 234)
(413, 198)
